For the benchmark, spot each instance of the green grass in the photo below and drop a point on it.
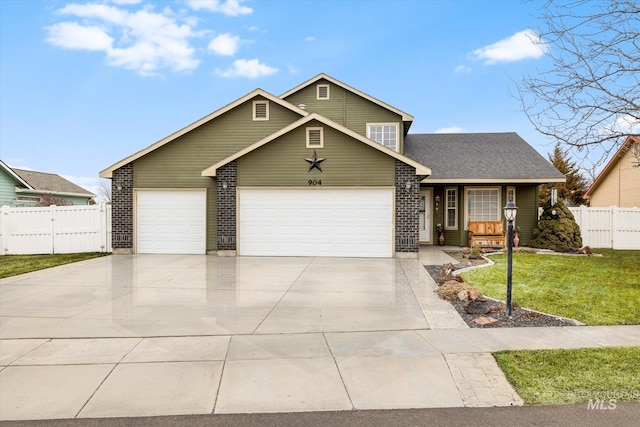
(547, 377)
(11, 265)
(594, 290)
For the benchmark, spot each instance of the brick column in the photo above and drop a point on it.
(407, 206)
(122, 210)
(226, 215)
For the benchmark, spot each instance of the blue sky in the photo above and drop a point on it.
(84, 84)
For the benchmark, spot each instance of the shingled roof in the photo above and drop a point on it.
(480, 158)
(50, 183)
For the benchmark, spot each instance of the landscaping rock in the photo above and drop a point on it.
(478, 306)
(486, 321)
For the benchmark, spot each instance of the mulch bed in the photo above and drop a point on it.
(520, 317)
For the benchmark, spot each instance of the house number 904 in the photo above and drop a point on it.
(315, 182)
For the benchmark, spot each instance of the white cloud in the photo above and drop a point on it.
(70, 35)
(228, 7)
(522, 45)
(251, 69)
(310, 39)
(126, 1)
(623, 125)
(225, 44)
(451, 129)
(462, 69)
(144, 41)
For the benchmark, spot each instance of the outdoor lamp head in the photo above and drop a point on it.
(510, 211)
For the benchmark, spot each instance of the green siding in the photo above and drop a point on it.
(348, 162)
(347, 109)
(179, 164)
(7, 189)
(527, 218)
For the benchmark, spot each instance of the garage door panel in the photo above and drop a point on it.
(318, 222)
(171, 222)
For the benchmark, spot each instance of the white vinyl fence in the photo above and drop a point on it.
(613, 227)
(55, 229)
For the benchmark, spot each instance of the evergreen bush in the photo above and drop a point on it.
(557, 229)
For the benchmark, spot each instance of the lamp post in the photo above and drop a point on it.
(510, 210)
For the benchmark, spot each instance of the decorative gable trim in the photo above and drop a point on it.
(108, 172)
(420, 170)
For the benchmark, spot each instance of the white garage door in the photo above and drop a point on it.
(171, 222)
(316, 222)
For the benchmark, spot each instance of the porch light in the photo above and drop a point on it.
(225, 185)
(510, 210)
(408, 185)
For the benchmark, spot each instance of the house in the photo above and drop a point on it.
(619, 182)
(20, 187)
(321, 170)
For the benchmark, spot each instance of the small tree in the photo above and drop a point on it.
(48, 200)
(557, 229)
(573, 189)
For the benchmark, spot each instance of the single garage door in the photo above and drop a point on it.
(316, 222)
(171, 222)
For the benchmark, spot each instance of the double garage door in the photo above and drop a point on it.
(273, 222)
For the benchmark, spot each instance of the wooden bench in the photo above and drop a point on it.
(487, 233)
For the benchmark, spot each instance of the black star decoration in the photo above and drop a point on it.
(314, 162)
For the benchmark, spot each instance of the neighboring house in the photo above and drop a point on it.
(321, 170)
(619, 182)
(20, 187)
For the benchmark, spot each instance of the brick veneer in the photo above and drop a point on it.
(226, 198)
(122, 209)
(407, 206)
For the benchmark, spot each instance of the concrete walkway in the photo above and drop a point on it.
(148, 335)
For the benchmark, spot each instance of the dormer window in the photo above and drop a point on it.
(260, 110)
(315, 138)
(323, 92)
(384, 133)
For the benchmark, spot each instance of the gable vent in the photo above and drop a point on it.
(314, 138)
(323, 91)
(261, 111)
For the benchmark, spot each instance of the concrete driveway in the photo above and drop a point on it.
(150, 335)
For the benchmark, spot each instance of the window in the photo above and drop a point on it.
(323, 92)
(260, 110)
(315, 138)
(483, 204)
(384, 133)
(451, 208)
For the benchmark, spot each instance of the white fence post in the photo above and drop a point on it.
(4, 219)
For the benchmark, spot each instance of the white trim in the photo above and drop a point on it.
(405, 116)
(421, 169)
(15, 175)
(446, 208)
(466, 203)
(255, 110)
(372, 124)
(108, 172)
(321, 129)
(53, 193)
(318, 87)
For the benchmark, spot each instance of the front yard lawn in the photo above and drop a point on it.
(551, 377)
(12, 265)
(594, 290)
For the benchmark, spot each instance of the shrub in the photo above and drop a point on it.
(557, 229)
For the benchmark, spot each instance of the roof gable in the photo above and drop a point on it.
(480, 158)
(405, 116)
(624, 148)
(14, 175)
(108, 172)
(420, 168)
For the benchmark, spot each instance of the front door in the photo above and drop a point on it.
(425, 216)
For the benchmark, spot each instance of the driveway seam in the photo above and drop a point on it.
(335, 362)
(283, 295)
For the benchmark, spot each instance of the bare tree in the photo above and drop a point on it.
(49, 199)
(104, 190)
(589, 100)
